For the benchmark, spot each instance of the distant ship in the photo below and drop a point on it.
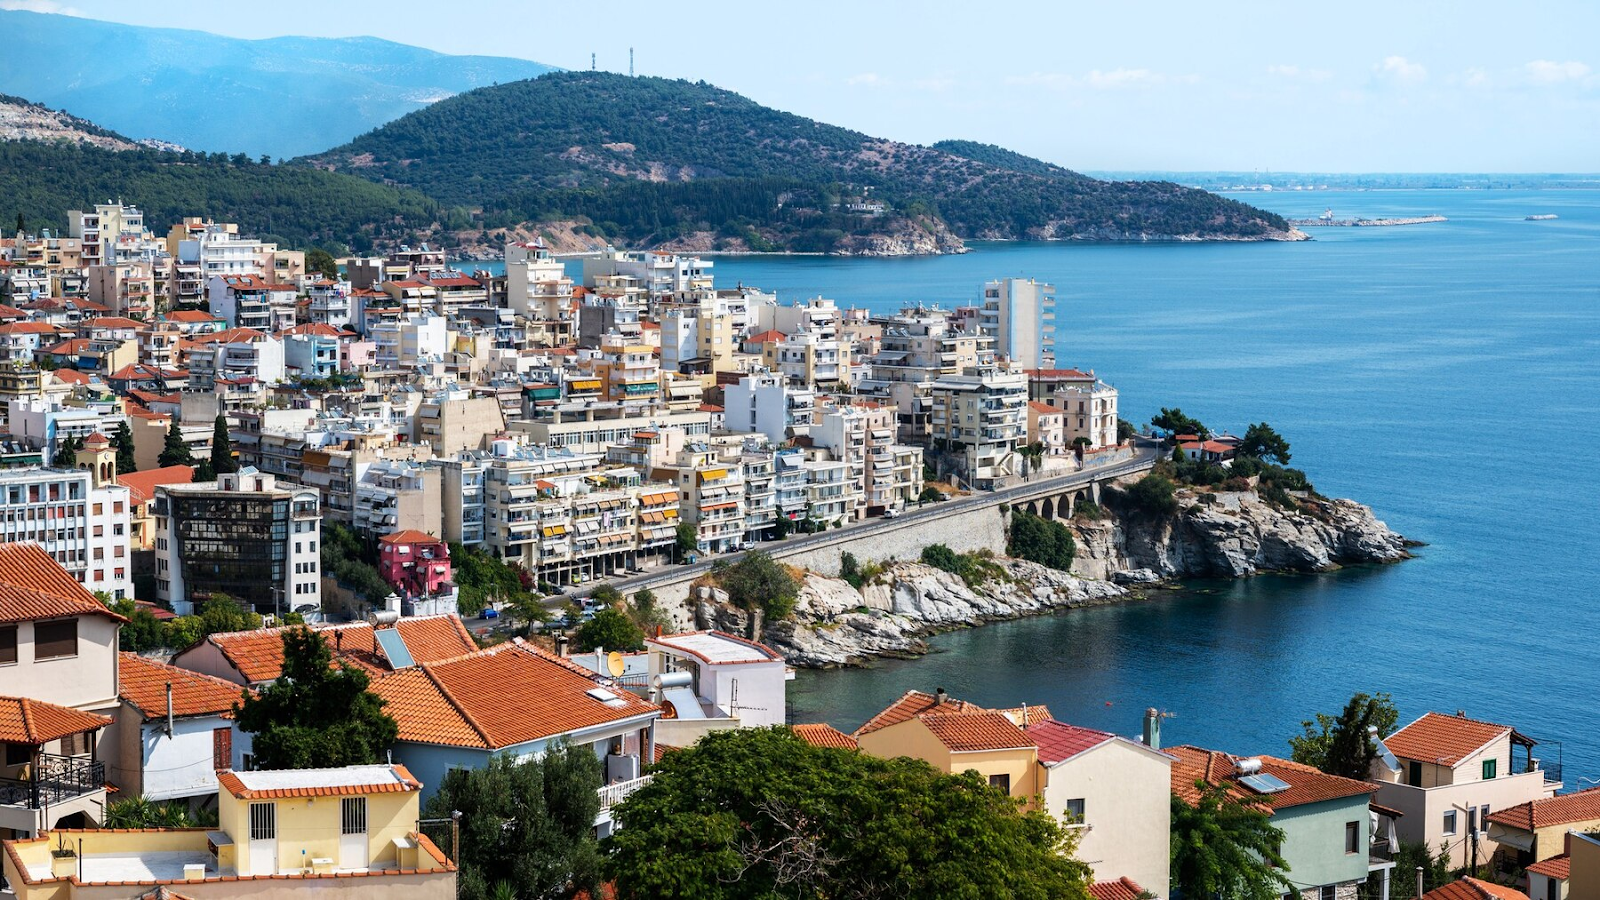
(1542, 217)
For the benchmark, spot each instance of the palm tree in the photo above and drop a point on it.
(1225, 850)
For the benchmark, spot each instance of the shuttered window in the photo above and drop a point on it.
(53, 640)
(221, 748)
(263, 821)
(354, 815)
(8, 644)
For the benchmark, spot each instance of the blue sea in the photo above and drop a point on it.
(1447, 374)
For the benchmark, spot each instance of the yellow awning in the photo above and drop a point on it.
(713, 474)
(553, 530)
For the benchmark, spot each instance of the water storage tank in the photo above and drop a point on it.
(671, 680)
(1251, 766)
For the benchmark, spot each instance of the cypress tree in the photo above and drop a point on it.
(176, 452)
(123, 441)
(222, 461)
(67, 452)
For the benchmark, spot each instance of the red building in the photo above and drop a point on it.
(417, 565)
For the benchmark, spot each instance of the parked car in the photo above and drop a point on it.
(489, 612)
(892, 512)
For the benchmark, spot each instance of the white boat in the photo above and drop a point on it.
(1541, 217)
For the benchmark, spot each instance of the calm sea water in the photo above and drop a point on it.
(1446, 374)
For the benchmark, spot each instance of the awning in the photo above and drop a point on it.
(1514, 837)
(553, 530)
(713, 474)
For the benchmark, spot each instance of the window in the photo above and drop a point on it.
(18, 754)
(1075, 810)
(76, 744)
(353, 815)
(1352, 837)
(1003, 782)
(1450, 822)
(263, 821)
(1472, 820)
(8, 645)
(1326, 892)
(53, 640)
(1483, 819)
(1491, 768)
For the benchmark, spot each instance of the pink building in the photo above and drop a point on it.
(417, 565)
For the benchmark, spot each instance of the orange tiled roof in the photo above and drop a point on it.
(192, 316)
(505, 695)
(231, 336)
(403, 783)
(25, 721)
(1557, 867)
(1567, 809)
(1306, 784)
(258, 655)
(1045, 409)
(1443, 739)
(1123, 888)
(1027, 716)
(72, 376)
(144, 687)
(976, 732)
(409, 536)
(34, 586)
(824, 735)
(1469, 888)
(142, 485)
(910, 705)
(111, 322)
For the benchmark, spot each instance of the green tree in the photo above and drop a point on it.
(757, 581)
(1125, 431)
(606, 595)
(318, 714)
(1262, 442)
(222, 461)
(221, 614)
(1341, 745)
(686, 539)
(321, 261)
(931, 495)
(650, 618)
(67, 452)
(123, 442)
(1413, 855)
(1040, 540)
(850, 569)
(176, 450)
(758, 813)
(1155, 494)
(1174, 421)
(529, 824)
(612, 629)
(1225, 850)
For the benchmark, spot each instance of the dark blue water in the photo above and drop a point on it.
(1446, 374)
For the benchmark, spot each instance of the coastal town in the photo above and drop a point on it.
(378, 531)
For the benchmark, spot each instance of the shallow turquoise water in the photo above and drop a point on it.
(1445, 374)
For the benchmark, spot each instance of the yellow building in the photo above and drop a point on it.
(348, 831)
(954, 736)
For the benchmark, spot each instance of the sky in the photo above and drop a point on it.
(1357, 86)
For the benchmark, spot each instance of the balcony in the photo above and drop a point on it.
(613, 794)
(56, 780)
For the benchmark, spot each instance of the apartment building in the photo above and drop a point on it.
(538, 289)
(329, 303)
(768, 404)
(713, 492)
(235, 355)
(979, 418)
(862, 435)
(657, 276)
(1020, 314)
(243, 535)
(919, 345)
(1089, 412)
(80, 517)
(399, 495)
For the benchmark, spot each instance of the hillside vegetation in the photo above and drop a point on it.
(24, 120)
(296, 205)
(650, 159)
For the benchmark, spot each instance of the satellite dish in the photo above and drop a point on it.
(615, 664)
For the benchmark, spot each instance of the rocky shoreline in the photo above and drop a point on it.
(1221, 535)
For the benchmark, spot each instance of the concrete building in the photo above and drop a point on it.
(918, 346)
(734, 677)
(538, 289)
(658, 275)
(979, 417)
(452, 421)
(1020, 314)
(862, 435)
(80, 517)
(398, 495)
(1089, 412)
(174, 729)
(766, 403)
(243, 535)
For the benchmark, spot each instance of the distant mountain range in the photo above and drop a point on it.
(652, 161)
(282, 97)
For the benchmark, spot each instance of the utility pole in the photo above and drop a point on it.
(591, 62)
(630, 62)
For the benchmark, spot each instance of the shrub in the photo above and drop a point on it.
(1154, 494)
(1088, 509)
(757, 581)
(1040, 540)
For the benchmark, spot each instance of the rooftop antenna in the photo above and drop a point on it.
(630, 62)
(591, 62)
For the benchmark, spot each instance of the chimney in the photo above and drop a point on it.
(561, 645)
(939, 697)
(1420, 891)
(1152, 728)
(169, 709)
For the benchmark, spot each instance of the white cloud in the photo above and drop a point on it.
(1297, 73)
(40, 6)
(1544, 71)
(1401, 69)
(867, 79)
(935, 83)
(1475, 78)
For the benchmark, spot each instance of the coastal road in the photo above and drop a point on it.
(1145, 456)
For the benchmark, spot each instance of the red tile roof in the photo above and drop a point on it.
(1566, 809)
(500, 697)
(231, 336)
(1469, 888)
(192, 316)
(409, 536)
(144, 687)
(25, 721)
(1123, 888)
(975, 732)
(1059, 742)
(1306, 784)
(910, 705)
(1557, 867)
(111, 322)
(770, 336)
(29, 328)
(72, 376)
(258, 655)
(1045, 409)
(142, 485)
(404, 782)
(320, 329)
(824, 735)
(1443, 739)
(34, 586)
(1058, 373)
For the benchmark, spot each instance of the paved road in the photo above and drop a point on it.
(1144, 458)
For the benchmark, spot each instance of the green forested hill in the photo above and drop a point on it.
(295, 204)
(650, 158)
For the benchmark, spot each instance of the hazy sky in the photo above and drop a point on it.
(1138, 84)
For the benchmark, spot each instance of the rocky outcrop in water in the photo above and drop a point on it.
(836, 625)
(1231, 535)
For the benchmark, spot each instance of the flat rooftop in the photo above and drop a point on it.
(717, 648)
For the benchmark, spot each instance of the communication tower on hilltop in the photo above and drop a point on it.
(630, 62)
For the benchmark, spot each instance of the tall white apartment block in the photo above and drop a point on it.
(1021, 315)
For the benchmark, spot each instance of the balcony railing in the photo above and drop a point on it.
(612, 794)
(58, 779)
